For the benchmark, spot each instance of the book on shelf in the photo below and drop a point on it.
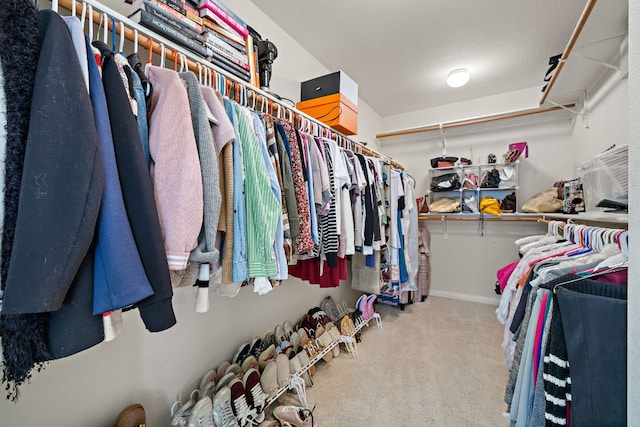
(183, 9)
(210, 34)
(211, 9)
(217, 53)
(170, 13)
(229, 34)
(226, 9)
(227, 50)
(161, 26)
(177, 25)
(231, 68)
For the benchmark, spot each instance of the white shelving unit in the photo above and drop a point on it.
(462, 171)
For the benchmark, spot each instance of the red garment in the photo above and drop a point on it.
(309, 270)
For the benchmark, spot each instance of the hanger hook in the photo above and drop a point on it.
(105, 29)
(90, 12)
(122, 30)
(162, 55)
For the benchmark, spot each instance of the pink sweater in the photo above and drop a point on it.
(175, 166)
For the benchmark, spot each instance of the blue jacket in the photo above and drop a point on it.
(119, 276)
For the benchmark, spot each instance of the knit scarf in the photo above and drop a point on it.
(24, 336)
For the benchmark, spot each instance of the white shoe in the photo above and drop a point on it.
(223, 415)
(201, 415)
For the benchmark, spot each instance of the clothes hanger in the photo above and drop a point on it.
(162, 55)
(105, 28)
(54, 5)
(122, 31)
(590, 276)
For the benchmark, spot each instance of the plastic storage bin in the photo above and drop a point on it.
(605, 177)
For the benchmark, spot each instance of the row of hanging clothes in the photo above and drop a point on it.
(564, 308)
(124, 180)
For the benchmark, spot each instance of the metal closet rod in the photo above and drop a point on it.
(432, 217)
(173, 52)
(474, 121)
(567, 50)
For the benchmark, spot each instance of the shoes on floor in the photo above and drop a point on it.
(371, 299)
(235, 369)
(243, 412)
(202, 415)
(222, 369)
(208, 383)
(255, 395)
(294, 339)
(295, 415)
(131, 416)
(180, 411)
(223, 415)
(242, 353)
(361, 305)
(282, 364)
(225, 381)
(256, 347)
(279, 334)
(269, 379)
(288, 330)
(249, 363)
(268, 354)
(329, 306)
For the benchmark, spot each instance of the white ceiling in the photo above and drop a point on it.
(400, 52)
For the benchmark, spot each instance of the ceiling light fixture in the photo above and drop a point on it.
(458, 78)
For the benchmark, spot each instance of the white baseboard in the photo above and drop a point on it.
(465, 297)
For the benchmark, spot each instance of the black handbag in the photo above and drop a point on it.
(446, 182)
(490, 179)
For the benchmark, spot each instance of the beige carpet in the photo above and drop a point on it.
(437, 363)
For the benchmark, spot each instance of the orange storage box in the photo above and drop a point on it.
(335, 110)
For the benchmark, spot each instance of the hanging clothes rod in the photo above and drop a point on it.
(474, 121)
(567, 50)
(457, 218)
(252, 95)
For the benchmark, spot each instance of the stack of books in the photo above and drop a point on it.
(227, 36)
(206, 28)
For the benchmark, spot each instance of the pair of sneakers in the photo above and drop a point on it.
(365, 306)
(240, 403)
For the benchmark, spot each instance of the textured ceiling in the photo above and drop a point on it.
(400, 52)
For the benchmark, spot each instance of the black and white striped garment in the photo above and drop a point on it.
(328, 222)
(557, 379)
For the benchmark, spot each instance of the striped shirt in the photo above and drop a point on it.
(262, 206)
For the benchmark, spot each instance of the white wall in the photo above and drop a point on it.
(556, 145)
(90, 388)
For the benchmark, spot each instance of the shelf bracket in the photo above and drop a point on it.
(584, 114)
(597, 61)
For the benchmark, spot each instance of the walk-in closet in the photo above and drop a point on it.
(234, 213)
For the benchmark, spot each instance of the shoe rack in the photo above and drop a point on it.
(297, 383)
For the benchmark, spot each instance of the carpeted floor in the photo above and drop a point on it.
(437, 363)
